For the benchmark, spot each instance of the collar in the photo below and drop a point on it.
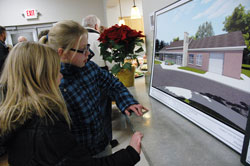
(68, 69)
(92, 30)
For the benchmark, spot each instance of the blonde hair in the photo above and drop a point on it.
(65, 33)
(29, 86)
(43, 40)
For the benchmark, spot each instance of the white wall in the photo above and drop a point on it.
(55, 10)
(51, 10)
(113, 13)
(148, 7)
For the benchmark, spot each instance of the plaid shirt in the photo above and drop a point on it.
(81, 89)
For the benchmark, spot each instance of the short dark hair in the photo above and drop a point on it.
(2, 30)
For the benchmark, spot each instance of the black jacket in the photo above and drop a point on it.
(39, 144)
(4, 50)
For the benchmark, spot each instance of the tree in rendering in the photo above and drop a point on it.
(162, 44)
(157, 45)
(176, 39)
(204, 30)
(239, 21)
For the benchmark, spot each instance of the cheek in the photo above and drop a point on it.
(60, 76)
(82, 58)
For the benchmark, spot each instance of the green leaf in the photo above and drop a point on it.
(139, 40)
(112, 42)
(137, 61)
(127, 66)
(105, 55)
(117, 46)
(134, 56)
(139, 50)
(101, 45)
(115, 69)
(110, 59)
(138, 44)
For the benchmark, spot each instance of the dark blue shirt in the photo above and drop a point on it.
(81, 89)
(4, 50)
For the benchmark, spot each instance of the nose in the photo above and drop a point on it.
(87, 53)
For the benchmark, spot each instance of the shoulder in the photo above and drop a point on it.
(94, 34)
(93, 38)
(91, 65)
(41, 123)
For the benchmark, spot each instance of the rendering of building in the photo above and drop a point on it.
(221, 54)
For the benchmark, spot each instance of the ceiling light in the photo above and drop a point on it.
(121, 21)
(135, 13)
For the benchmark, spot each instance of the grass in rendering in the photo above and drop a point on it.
(192, 69)
(158, 62)
(245, 65)
(246, 72)
(187, 101)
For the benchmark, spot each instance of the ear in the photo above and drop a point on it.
(62, 55)
(96, 27)
(60, 52)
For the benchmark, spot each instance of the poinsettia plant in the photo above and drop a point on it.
(119, 43)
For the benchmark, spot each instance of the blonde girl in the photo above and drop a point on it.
(29, 86)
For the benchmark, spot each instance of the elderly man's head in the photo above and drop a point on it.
(22, 39)
(91, 21)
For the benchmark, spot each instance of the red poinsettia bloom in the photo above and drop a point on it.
(118, 43)
(118, 34)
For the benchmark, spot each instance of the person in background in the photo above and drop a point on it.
(43, 39)
(43, 33)
(92, 24)
(22, 39)
(4, 50)
(102, 29)
(35, 123)
(82, 85)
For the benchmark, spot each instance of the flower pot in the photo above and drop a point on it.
(127, 77)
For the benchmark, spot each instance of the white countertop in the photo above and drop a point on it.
(171, 140)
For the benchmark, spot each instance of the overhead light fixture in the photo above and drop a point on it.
(121, 21)
(135, 13)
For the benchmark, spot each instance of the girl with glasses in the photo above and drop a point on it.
(83, 83)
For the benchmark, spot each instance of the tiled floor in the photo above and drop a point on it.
(122, 132)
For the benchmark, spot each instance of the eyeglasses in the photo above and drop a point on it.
(81, 51)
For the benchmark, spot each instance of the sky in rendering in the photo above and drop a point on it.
(187, 17)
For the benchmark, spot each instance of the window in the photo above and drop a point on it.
(29, 31)
(199, 60)
(191, 59)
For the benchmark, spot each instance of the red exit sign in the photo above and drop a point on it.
(30, 13)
